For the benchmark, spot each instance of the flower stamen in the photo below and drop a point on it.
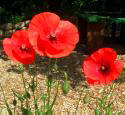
(52, 37)
(103, 69)
(23, 48)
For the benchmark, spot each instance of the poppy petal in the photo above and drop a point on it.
(45, 25)
(67, 38)
(117, 68)
(67, 33)
(105, 57)
(64, 52)
(20, 36)
(98, 82)
(93, 82)
(8, 48)
(49, 49)
(106, 54)
(18, 48)
(45, 22)
(42, 47)
(33, 39)
(91, 69)
(23, 57)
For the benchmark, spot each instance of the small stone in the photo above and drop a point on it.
(123, 93)
(24, 28)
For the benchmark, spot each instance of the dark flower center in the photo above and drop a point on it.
(23, 48)
(104, 69)
(52, 37)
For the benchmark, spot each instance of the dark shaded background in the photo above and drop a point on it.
(23, 9)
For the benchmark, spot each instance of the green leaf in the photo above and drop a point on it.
(65, 87)
(26, 111)
(26, 95)
(103, 102)
(48, 113)
(49, 82)
(20, 67)
(9, 111)
(109, 113)
(110, 106)
(37, 112)
(43, 97)
(109, 109)
(33, 85)
(96, 111)
(21, 98)
(14, 102)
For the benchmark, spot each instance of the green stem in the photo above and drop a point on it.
(44, 106)
(51, 107)
(24, 85)
(48, 92)
(34, 97)
(49, 83)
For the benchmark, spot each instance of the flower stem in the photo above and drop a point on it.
(34, 97)
(49, 81)
(51, 107)
(24, 85)
(48, 92)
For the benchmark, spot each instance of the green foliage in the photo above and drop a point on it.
(65, 84)
(96, 111)
(65, 87)
(26, 111)
(104, 105)
(118, 20)
(93, 18)
(26, 95)
(17, 10)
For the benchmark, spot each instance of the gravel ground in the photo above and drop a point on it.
(10, 78)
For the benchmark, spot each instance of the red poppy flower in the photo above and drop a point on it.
(18, 48)
(51, 36)
(102, 67)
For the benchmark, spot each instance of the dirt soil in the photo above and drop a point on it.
(10, 78)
